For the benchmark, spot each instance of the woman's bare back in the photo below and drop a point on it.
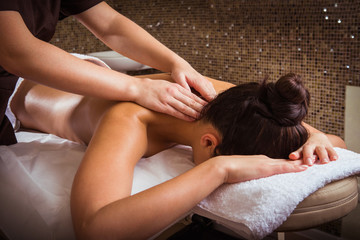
(69, 115)
(64, 114)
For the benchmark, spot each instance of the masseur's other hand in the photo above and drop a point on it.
(244, 168)
(170, 98)
(188, 77)
(317, 147)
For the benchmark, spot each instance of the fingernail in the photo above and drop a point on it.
(334, 158)
(308, 161)
(326, 160)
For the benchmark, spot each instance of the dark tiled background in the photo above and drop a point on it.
(240, 41)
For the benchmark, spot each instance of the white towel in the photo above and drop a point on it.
(262, 205)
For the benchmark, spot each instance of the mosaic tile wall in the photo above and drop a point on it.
(242, 40)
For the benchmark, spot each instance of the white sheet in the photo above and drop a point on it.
(36, 177)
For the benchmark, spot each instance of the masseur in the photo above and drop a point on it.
(26, 26)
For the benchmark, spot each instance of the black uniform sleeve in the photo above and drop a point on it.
(72, 7)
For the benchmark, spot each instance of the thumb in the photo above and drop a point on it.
(181, 80)
(205, 88)
(296, 154)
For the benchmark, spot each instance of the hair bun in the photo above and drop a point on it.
(287, 99)
(292, 89)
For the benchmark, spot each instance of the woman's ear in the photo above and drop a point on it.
(209, 141)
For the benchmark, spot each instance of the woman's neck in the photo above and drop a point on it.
(172, 130)
(186, 133)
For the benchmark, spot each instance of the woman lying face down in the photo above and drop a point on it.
(260, 118)
(245, 120)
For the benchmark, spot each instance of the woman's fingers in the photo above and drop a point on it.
(333, 156)
(325, 154)
(296, 154)
(317, 148)
(322, 154)
(308, 154)
(295, 166)
(247, 167)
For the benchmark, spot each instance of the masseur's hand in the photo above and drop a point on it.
(188, 77)
(170, 98)
(317, 147)
(244, 168)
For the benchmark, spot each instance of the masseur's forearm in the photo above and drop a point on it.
(126, 37)
(54, 67)
(24, 55)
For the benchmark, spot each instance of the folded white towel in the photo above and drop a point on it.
(262, 205)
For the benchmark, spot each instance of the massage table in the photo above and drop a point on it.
(37, 173)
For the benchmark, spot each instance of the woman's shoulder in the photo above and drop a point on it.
(220, 86)
(129, 110)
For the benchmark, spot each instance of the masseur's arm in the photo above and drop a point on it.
(127, 38)
(24, 55)
(101, 205)
(320, 146)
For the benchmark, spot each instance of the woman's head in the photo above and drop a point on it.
(263, 118)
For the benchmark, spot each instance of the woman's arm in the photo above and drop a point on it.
(101, 204)
(100, 201)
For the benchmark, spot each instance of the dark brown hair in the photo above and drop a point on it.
(260, 118)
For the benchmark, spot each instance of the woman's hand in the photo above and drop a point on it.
(188, 77)
(170, 98)
(244, 168)
(317, 147)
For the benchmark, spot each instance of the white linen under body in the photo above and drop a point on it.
(37, 173)
(10, 115)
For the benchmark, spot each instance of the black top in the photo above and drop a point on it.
(40, 17)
